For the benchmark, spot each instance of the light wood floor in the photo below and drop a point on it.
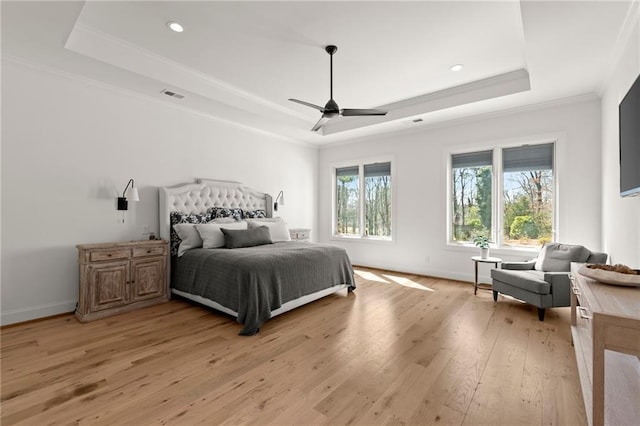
(402, 349)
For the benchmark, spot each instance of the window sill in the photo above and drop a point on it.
(358, 239)
(528, 252)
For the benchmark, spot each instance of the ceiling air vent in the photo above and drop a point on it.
(172, 94)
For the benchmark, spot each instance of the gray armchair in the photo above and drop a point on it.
(544, 281)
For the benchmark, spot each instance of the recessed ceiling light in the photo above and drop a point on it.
(456, 67)
(174, 26)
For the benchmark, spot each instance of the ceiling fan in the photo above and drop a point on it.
(331, 109)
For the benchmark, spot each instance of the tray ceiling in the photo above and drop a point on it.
(240, 61)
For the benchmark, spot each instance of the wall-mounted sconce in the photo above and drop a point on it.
(129, 194)
(281, 202)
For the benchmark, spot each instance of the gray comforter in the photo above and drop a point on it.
(254, 281)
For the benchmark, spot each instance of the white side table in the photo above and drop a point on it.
(478, 259)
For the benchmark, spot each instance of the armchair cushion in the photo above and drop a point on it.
(531, 281)
(555, 257)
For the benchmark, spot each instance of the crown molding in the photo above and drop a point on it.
(488, 88)
(427, 126)
(93, 43)
(37, 66)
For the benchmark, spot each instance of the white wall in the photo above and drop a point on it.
(69, 147)
(620, 216)
(420, 197)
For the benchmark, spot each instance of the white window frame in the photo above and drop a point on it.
(360, 163)
(497, 185)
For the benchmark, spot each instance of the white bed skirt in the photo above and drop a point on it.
(281, 310)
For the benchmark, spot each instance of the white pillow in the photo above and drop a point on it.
(277, 228)
(212, 236)
(189, 236)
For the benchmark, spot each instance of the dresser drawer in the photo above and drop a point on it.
(584, 310)
(148, 251)
(112, 254)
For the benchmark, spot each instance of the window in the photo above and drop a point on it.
(363, 201)
(522, 195)
(348, 201)
(527, 206)
(472, 176)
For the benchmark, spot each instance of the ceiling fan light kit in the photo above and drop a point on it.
(331, 109)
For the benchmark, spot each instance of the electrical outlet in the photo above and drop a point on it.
(427, 259)
(145, 230)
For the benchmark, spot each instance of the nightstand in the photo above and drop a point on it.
(119, 277)
(300, 234)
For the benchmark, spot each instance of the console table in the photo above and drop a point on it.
(605, 331)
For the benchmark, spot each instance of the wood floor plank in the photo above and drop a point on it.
(403, 349)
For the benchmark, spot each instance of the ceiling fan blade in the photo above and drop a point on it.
(331, 109)
(319, 108)
(350, 112)
(320, 123)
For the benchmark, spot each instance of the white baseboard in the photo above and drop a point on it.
(35, 312)
(41, 311)
(425, 271)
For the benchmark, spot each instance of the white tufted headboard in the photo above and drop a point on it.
(200, 196)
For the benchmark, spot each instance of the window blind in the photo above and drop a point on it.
(378, 169)
(347, 171)
(472, 159)
(528, 157)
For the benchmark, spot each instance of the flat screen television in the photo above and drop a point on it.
(629, 116)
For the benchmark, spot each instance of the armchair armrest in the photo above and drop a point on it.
(519, 266)
(560, 287)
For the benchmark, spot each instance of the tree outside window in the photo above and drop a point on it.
(471, 197)
(347, 201)
(528, 195)
(527, 187)
(373, 209)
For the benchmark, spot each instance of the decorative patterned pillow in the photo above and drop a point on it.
(254, 214)
(223, 220)
(177, 217)
(218, 212)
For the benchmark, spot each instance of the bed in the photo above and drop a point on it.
(251, 283)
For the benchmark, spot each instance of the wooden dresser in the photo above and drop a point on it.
(119, 277)
(605, 327)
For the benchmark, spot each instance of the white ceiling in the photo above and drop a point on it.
(240, 61)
